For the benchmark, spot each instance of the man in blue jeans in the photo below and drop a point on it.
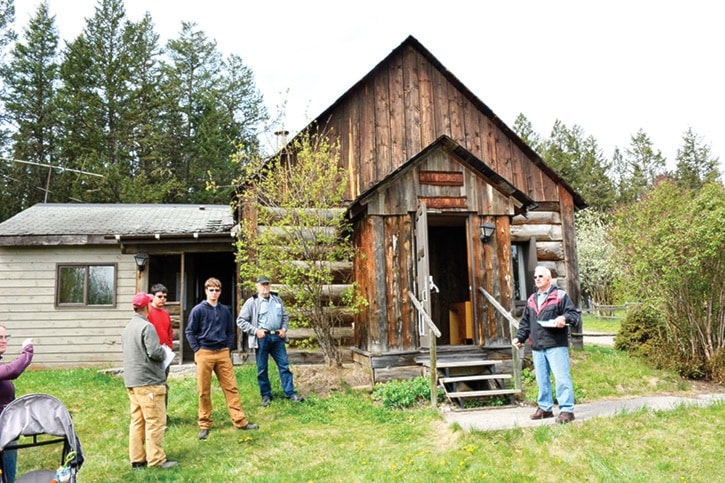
(265, 321)
(548, 313)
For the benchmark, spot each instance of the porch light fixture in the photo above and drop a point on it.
(141, 260)
(487, 230)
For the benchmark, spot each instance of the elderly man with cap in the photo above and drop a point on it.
(144, 375)
(265, 321)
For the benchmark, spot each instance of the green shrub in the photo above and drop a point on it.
(402, 394)
(639, 333)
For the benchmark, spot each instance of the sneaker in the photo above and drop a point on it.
(249, 427)
(266, 400)
(168, 464)
(541, 414)
(203, 434)
(564, 417)
(138, 465)
(296, 398)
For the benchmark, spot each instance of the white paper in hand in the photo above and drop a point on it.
(169, 356)
(547, 323)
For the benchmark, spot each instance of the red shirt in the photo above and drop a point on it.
(161, 320)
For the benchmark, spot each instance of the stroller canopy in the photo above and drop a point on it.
(36, 414)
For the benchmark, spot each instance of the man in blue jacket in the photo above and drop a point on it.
(548, 313)
(211, 334)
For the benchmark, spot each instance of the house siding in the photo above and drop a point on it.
(63, 336)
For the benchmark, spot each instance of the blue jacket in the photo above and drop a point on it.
(557, 303)
(210, 327)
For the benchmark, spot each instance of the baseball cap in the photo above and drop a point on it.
(140, 300)
(262, 279)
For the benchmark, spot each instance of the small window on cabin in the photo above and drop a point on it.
(86, 285)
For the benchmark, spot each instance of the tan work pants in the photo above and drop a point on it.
(148, 421)
(220, 363)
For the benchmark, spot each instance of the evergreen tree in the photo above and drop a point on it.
(580, 162)
(30, 79)
(7, 37)
(523, 127)
(96, 97)
(695, 164)
(638, 170)
(218, 109)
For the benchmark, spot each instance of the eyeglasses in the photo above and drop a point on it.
(161, 296)
(4, 337)
(538, 276)
(214, 289)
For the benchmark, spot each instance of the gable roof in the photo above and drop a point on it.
(445, 142)
(98, 222)
(411, 42)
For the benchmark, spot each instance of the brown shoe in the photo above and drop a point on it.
(541, 414)
(564, 417)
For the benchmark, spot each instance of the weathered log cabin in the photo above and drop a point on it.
(429, 166)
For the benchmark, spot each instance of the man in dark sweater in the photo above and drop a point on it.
(210, 333)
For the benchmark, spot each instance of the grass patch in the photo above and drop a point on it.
(347, 435)
(591, 323)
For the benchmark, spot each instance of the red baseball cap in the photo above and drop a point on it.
(141, 300)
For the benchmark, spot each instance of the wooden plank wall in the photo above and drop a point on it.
(63, 337)
(403, 107)
(384, 270)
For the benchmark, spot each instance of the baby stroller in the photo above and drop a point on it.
(40, 414)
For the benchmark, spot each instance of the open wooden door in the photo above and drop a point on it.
(422, 261)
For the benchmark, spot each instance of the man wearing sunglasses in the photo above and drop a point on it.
(548, 313)
(211, 333)
(161, 320)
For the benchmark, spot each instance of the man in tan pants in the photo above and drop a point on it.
(210, 333)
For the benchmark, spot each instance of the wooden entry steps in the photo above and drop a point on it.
(471, 378)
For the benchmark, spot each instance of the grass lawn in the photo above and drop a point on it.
(590, 323)
(344, 435)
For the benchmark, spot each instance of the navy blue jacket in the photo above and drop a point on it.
(210, 327)
(557, 303)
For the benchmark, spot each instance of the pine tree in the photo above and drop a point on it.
(30, 104)
(638, 169)
(695, 164)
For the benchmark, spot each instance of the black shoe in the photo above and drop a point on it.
(203, 434)
(296, 398)
(266, 400)
(541, 414)
(138, 465)
(168, 464)
(249, 427)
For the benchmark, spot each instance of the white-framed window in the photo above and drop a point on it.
(86, 285)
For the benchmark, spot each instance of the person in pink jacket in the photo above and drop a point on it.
(8, 373)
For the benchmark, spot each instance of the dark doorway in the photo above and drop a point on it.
(199, 267)
(449, 269)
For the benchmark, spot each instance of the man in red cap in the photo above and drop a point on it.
(145, 378)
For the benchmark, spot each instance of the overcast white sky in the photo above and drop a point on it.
(611, 67)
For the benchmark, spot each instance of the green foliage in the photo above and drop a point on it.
(640, 333)
(671, 247)
(579, 160)
(597, 267)
(695, 164)
(638, 169)
(298, 235)
(402, 394)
